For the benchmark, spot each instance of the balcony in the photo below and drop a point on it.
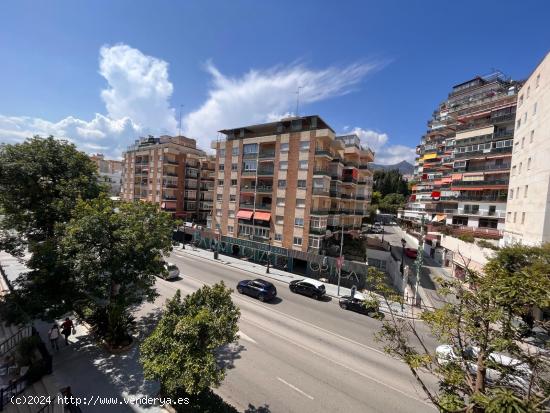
(265, 172)
(494, 182)
(346, 196)
(253, 155)
(504, 134)
(169, 185)
(363, 166)
(481, 168)
(317, 231)
(349, 178)
(323, 152)
(335, 193)
(170, 161)
(322, 211)
(267, 154)
(258, 189)
(168, 198)
(318, 170)
(321, 191)
(258, 206)
(493, 151)
(476, 212)
(170, 174)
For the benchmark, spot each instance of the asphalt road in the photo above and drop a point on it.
(300, 355)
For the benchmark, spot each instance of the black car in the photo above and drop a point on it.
(311, 288)
(357, 305)
(260, 289)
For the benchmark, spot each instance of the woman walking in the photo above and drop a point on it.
(53, 334)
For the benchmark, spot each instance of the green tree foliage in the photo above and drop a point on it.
(391, 203)
(482, 318)
(181, 351)
(390, 182)
(113, 251)
(41, 180)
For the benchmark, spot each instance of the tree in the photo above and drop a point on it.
(41, 181)
(481, 319)
(113, 251)
(181, 351)
(390, 182)
(391, 203)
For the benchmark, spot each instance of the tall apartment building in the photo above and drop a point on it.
(289, 182)
(528, 209)
(110, 172)
(172, 172)
(462, 171)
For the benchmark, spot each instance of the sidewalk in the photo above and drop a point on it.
(286, 277)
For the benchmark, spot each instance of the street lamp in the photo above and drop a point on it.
(403, 243)
(341, 259)
(268, 257)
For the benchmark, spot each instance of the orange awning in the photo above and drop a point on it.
(262, 216)
(242, 214)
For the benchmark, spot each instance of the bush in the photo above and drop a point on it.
(26, 350)
(466, 238)
(112, 323)
(486, 244)
(205, 402)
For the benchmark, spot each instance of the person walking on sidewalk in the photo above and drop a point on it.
(66, 329)
(53, 335)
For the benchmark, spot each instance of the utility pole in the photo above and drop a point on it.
(268, 257)
(298, 100)
(419, 260)
(341, 259)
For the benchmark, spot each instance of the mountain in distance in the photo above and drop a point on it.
(404, 167)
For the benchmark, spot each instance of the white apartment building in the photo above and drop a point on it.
(528, 206)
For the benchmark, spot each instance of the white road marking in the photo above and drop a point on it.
(295, 388)
(245, 337)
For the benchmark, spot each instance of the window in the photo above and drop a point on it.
(219, 212)
(222, 153)
(300, 203)
(525, 191)
(233, 182)
(299, 222)
(528, 90)
(535, 108)
(301, 183)
(232, 198)
(278, 237)
(304, 145)
(523, 217)
(538, 80)
(250, 165)
(511, 194)
(284, 147)
(283, 165)
(280, 202)
(279, 220)
(222, 167)
(525, 117)
(234, 166)
(509, 217)
(231, 214)
(514, 170)
(528, 163)
(522, 142)
(520, 100)
(250, 148)
(518, 123)
(520, 165)
(314, 242)
(281, 183)
(532, 136)
(230, 229)
(219, 197)
(235, 151)
(297, 241)
(302, 165)
(515, 216)
(220, 182)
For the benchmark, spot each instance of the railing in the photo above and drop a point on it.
(250, 205)
(479, 168)
(171, 162)
(265, 172)
(349, 178)
(317, 231)
(169, 185)
(9, 344)
(169, 198)
(474, 153)
(504, 133)
(321, 171)
(189, 176)
(250, 155)
(169, 174)
(346, 196)
(476, 212)
(266, 154)
(319, 212)
(322, 152)
(335, 194)
(321, 191)
(480, 183)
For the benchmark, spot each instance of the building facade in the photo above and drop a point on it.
(171, 172)
(528, 209)
(110, 172)
(463, 164)
(290, 183)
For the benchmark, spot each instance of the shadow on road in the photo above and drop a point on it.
(326, 299)
(260, 409)
(227, 355)
(274, 301)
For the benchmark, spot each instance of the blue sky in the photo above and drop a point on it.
(102, 73)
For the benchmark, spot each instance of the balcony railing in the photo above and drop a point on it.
(349, 178)
(250, 205)
(265, 171)
(319, 211)
(478, 168)
(460, 155)
(494, 182)
(169, 185)
(476, 212)
(323, 152)
(266, 154)
(317, 231)
(321, 171)
(170, 161)
(335, 193)
(321, 191)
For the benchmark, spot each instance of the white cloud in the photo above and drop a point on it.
(385, 154)
(136, 98)
(263, 95)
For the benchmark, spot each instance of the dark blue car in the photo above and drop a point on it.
(260, 289)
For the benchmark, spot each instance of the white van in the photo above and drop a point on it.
(173, 271)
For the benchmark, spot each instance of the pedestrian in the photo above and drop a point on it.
(53, 335)
(67, 327)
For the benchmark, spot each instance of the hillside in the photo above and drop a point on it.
(404, 167)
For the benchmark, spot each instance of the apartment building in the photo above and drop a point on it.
(171, 172)
(528, 209)
(463, 165)
(290, 183)
(110, 172)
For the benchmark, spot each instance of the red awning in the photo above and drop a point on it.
(262, 216)
(436, 194)
(242, 214)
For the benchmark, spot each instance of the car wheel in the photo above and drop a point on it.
(240, 290)
(261, 297)
(292, 290)
(344, 306)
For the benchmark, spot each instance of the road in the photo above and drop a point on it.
(301, 355)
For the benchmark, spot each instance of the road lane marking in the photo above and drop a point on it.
(295, 388)
(389, 386)
(245, 337)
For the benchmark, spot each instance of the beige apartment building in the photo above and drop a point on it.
(528, 207)
(291, 183)
(110, 172)
(172, 172)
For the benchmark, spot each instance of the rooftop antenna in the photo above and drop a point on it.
(179, 128)
(298, 100)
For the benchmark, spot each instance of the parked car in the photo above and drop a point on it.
(311, 288)
(411, 253)
(260, 289)
(172, 271)
(356, 304)
(521, 371)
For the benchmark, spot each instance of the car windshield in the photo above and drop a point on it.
(172, 267)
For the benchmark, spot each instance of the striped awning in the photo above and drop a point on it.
(243, 214)
(262, 216)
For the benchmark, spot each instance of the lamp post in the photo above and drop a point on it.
(341, 258)
(268, 257)
(419, 260)
(403, 243)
